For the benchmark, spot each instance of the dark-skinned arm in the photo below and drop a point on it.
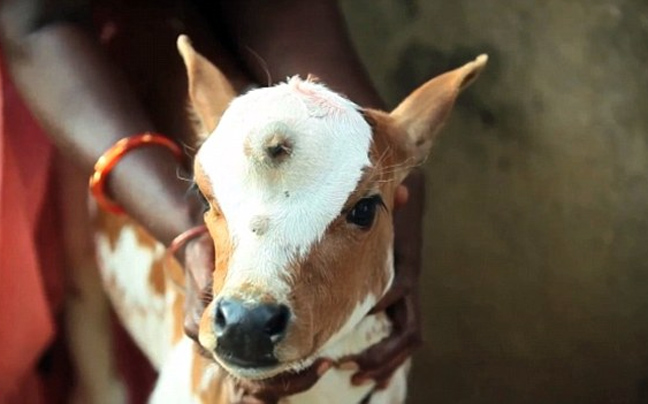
(282, 38)
(86, 106)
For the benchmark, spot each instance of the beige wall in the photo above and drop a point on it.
(536, 247)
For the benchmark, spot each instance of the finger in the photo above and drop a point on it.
(199, 264)
(395, 293)
(283, 386)
(382, 375)
(408, 226)
(194, 307)
(401, 196)
(375, 357)
(200, 260)
(404, 338)
(407, 241)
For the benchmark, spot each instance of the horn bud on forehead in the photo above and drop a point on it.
(424, 112)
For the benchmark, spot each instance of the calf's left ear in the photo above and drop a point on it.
(422, 114)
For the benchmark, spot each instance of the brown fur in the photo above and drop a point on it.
(111, 226)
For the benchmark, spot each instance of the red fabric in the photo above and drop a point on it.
(27, 326)
(31, 277)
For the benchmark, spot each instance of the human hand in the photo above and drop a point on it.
(401, 302)
(199, 266)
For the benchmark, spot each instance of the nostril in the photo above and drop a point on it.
(277, 323)
(220, 320)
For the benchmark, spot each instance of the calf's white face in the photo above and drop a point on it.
(301, 183)
(281, 164)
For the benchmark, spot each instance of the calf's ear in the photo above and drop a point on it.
(209, 90)
(422, 114)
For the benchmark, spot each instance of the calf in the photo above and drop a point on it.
(300, 184)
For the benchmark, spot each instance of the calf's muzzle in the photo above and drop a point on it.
(248, 332)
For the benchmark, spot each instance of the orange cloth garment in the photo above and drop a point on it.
(26, 321)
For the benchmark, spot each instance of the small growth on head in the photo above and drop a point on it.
(271, 146)
(278, 148)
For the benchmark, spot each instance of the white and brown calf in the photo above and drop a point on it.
(300, 183)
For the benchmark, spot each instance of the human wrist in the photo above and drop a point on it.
(151, 186)
(111, 157)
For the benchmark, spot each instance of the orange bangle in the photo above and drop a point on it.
(179, 241)
(111, 157)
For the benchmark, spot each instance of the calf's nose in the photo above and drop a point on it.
(247, 333)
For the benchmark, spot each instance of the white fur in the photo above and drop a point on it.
(174, 383)
(126, 269)
(295, 200)
(333, 387)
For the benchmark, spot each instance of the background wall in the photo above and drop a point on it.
(535, 282)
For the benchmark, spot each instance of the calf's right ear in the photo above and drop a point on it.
(209, 90)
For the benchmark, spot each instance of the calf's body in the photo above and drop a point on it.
(300, 185)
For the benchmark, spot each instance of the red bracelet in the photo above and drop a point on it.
(111, 157)
(182, 239)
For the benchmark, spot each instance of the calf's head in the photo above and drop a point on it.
(300, 183)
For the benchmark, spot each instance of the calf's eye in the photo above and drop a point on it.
(364, 212)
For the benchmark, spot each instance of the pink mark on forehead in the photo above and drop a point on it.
(320, 100)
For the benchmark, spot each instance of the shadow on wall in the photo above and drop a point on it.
(535, 285)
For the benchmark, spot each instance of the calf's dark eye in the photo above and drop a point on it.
(364, 212)
(195, 191)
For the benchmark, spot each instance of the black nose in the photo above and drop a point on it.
(247, 333)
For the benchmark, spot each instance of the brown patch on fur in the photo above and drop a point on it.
(144, 239)
(156, 277)
(177, 311)
(112, 226)
(218, 229)
(175, 274)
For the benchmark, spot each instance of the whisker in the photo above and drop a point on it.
(263, 64)
(182, 177)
